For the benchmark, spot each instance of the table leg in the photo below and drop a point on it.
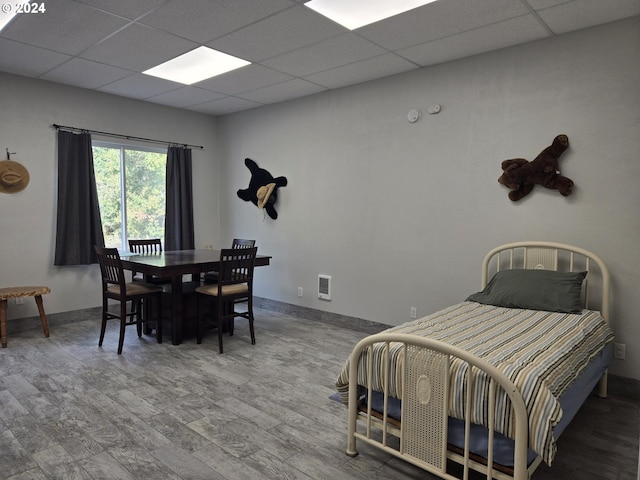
(176, 309)
(3, 322)
(43, 317)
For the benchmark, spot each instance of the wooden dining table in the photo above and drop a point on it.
(175, 264)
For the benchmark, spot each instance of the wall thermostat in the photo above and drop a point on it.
(413, 115)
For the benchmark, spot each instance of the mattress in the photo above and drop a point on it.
(570, 403)
(543, 353)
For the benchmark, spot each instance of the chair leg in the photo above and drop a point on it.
(3, 322)
(146, 308)
(103, 327)
(198, 322)
(159, 318)
(220, 321)
(43, 317)
(250, 318)
(137, 306)
(229, 308)
(123, 324)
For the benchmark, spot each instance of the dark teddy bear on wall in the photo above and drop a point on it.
(263, 188)
(521, 176)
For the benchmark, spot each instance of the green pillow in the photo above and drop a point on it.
(534, 290)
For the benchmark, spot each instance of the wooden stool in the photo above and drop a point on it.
(16, 292)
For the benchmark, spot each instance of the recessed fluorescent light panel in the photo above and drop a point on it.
(357, 13)
(196, 65)
(11, 9)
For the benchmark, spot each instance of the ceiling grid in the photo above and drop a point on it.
(294, 50)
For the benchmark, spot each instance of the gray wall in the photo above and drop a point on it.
(402, 214)
(399, 214)
(28, 108)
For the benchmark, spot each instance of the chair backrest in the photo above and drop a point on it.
(149, 245)
(236, 266)
(243, 243)
(111, 267)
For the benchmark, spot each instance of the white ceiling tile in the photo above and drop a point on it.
(294, 28)
(104, 44)
(244, 79)
(225, 106)
(365, 70)
(283, 91)
(140, 86)
(540, 4)
(492, 37)
(27, 60)
(138, 48)
(439, 19)
(331, 53)
(126, 8)
(205, 20)
(587, 13)
(85, 73)
(66, 27)
(186, 97)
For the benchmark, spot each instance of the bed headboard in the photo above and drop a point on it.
(554, 256)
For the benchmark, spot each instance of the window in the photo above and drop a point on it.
(131, 192)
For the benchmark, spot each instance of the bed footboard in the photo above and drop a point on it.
(421, 436)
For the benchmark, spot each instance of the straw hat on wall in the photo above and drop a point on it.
(14, 177)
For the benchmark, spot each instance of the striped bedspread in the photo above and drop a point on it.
(541, 352)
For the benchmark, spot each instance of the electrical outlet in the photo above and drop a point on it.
(414, 312)
(619, 351)
(19, 300)
(300, 291)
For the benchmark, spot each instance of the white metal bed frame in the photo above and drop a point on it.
(422, 433)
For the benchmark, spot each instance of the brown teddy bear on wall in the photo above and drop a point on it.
(521, 175)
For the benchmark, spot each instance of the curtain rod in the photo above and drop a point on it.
(119, 135)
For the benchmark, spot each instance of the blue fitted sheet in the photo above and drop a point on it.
(570, 402)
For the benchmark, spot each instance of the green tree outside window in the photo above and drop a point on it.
(141, 174)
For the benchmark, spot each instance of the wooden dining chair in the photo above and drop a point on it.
(147, 245)
(212, 277)
(235, 283)
(115, 287)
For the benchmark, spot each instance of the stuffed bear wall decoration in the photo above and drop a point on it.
(263, 188)
(521, 175)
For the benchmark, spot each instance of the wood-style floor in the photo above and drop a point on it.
(71, 410)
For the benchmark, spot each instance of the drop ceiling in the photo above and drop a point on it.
(104, 45)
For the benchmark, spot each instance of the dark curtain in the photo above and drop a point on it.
(178, 222)
(79, 227)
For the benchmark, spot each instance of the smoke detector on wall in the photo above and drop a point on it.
(413, 115)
